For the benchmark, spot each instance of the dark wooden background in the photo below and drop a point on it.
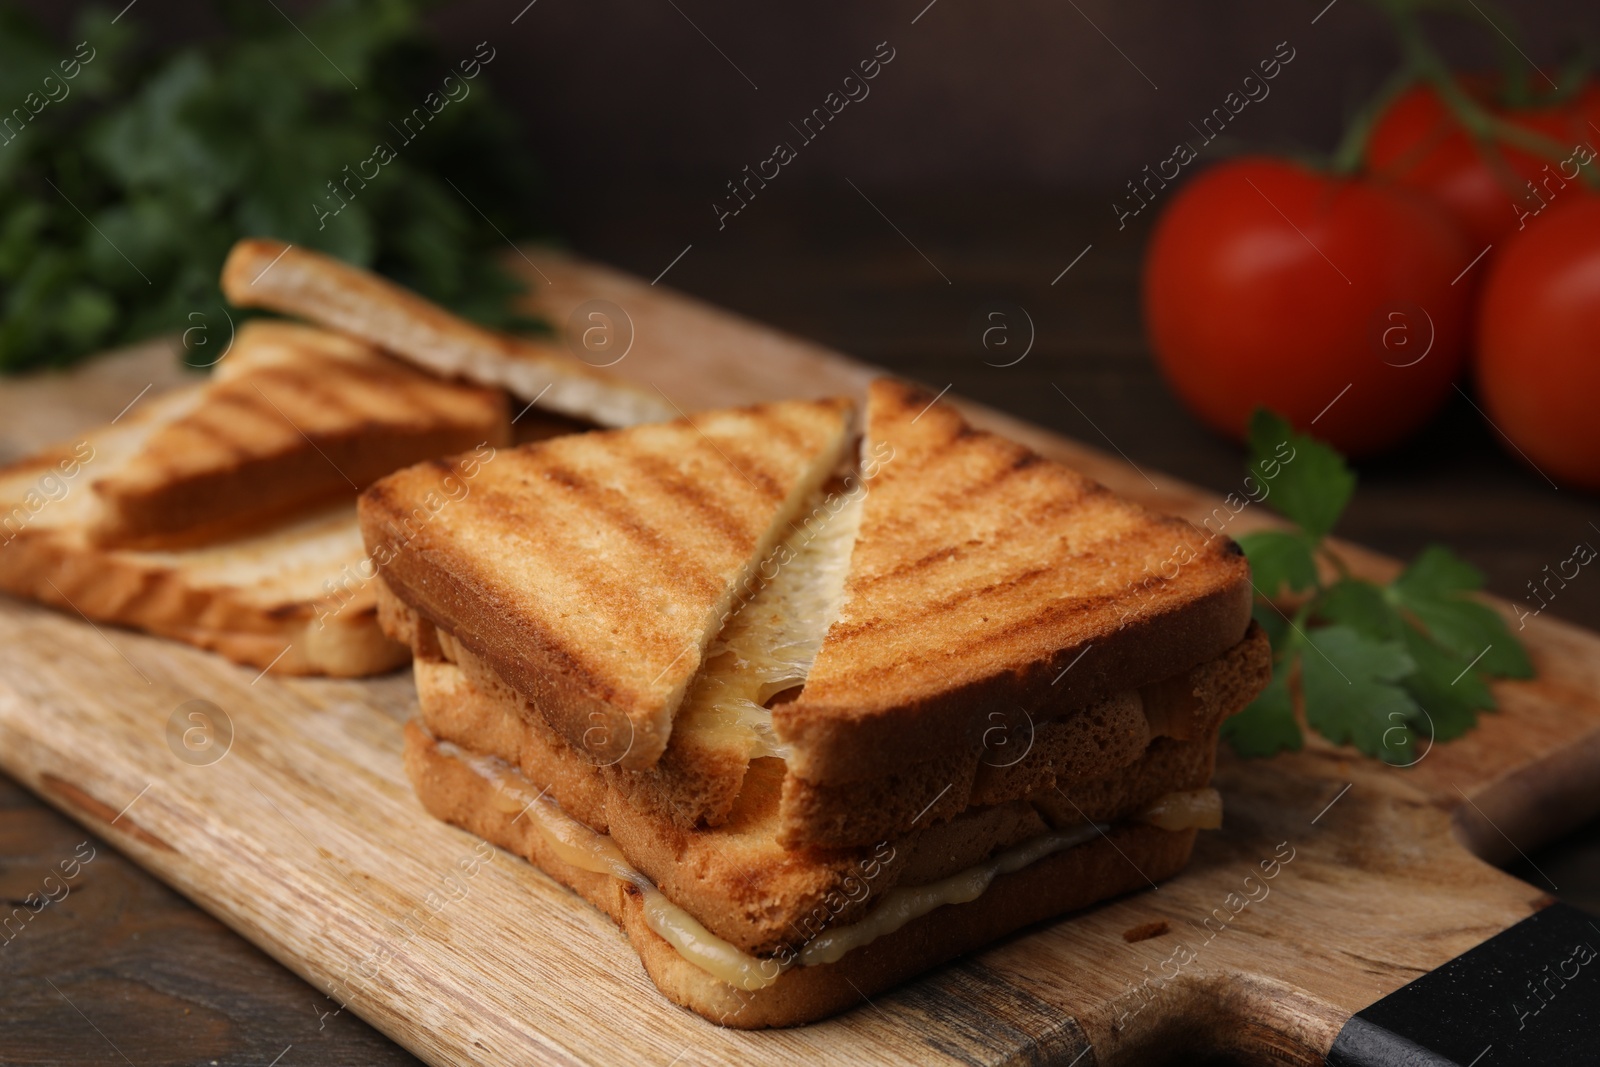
(1078, 95)
(969, 149)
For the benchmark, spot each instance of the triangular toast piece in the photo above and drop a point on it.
(295, 598)
(986, 578)
(592, 571)
(293, 418)
(296, 281)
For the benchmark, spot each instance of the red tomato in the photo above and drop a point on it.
(1418, 143)
(1267, 283)
(1538, 342)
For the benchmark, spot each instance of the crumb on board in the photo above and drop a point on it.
(1145, 931)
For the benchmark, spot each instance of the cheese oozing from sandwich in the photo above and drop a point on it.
(1198, 809)
(770, 643)
(579, 846)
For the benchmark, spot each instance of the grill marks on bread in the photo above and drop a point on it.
(981, 572)
(293, 417)
(592, 571)
(271, 598)
(296, 281)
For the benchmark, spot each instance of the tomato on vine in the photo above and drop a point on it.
(1490, 186)
(1537, 362)
(1325, 298)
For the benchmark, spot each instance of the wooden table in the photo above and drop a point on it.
(125, 971)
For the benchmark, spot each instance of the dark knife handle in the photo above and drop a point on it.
(1529, 995)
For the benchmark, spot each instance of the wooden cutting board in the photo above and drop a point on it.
(306, 839)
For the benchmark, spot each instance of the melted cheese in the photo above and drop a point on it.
(705, 949)
(577, 845)
(902, 904)
(1193, 809)
(770, 644)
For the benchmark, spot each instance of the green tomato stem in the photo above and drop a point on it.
(1334, 558)
(1297, 625)
(1347, 158)
(1421, 61)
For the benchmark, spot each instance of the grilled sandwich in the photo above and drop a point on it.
(223, 513)
(965, 669)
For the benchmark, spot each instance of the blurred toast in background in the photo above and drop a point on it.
(294, 417)
(264, 598)
(264, 273)
(232, 489)
(223, 513)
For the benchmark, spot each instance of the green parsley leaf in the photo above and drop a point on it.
(1386, 668)
(1435, 588)
(1448, 694)
(1438, 572)
(1268, 724)
(1305, 480)
(1366, 608)
(1279, 560)
(1351, 688)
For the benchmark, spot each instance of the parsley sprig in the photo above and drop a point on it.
(129, 167)
(1374, 666)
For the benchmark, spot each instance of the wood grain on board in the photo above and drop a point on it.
(305, 837)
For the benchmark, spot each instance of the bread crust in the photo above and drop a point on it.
(296, 281)
(294, 597)
(590, 572)
(1075, 878)
(691, 784)
(180, 595)
(1090, 743)
(986, 577)
(1083, 744)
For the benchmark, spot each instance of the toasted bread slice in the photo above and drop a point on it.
(269, 600)
(294, 417)
(230, 488)
(592, 572)
(296, 598)
(984, 579)
(1023, 758)
(727, 718)
(296, 281)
